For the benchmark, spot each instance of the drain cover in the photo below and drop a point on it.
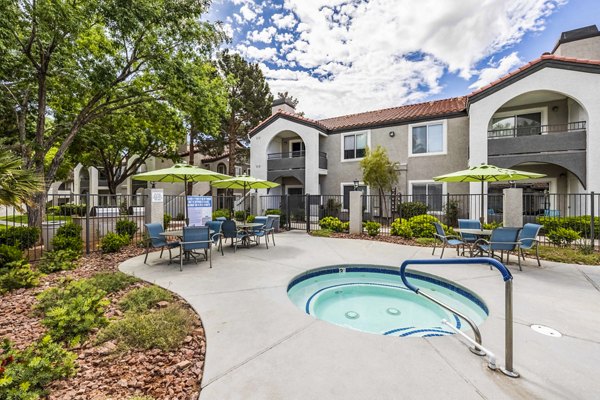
(352, 315)
(546, 330)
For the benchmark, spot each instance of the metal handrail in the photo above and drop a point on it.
(292, 154)
(537, 130)
(506, 277)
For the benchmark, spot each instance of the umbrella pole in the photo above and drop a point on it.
(187, 218)
(481, 219)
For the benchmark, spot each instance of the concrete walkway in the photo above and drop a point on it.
(260, 346)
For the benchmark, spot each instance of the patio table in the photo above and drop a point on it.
(247, 227)
(480, 233)
(179, 234)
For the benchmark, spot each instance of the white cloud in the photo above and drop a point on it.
(281, 21)
(362, 55)
(247, 13)
(264, 36)
(497, 70)
(256, 54)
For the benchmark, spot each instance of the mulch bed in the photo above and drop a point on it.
(379, 238)
(103, 373)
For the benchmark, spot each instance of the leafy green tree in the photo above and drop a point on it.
(122, 142)
(17, 184)
(67, 63)
(249, 101)
(379, 172)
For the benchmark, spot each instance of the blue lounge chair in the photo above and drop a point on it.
(502, 240)
(156, 240)
(447, 240)
(528, 240)
(217, 236)
(265, 230)
(469, 238)
(195, 238)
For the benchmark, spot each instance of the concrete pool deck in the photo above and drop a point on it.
(260, 346)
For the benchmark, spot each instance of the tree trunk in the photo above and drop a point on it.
(193, 140)
(231, 146)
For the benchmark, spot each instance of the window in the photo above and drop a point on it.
(238, 171)
(430, 194)
(428, 138)
(222, 169)
(346, 189)
(519, 125)
(297, 148)
(354, 145)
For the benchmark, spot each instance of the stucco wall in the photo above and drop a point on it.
(587, 49)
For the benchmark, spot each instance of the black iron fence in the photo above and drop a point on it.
(95, 215)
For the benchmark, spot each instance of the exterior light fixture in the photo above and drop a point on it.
(356, 184)
(392, 133)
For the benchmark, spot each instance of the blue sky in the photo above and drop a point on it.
(345, 56)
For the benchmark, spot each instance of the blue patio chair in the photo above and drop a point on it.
(156, 240)
(230, 231)
(265, 230)
(528, 240)
(469, 238)
(217, 236)
(195, 238)
(447, 240)
(502, 240)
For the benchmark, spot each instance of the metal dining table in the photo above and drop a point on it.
(480, 233)
(247, 227)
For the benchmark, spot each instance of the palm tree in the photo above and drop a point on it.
(17, 185)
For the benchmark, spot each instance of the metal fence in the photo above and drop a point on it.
(96, 214)
(174, 207)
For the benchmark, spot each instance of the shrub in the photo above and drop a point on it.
(22, 237)
(401, 227)
(579, 224)
(422, 225)
(113, 242)
(412, 209)
(451, 210)
(492, 225)
(562, 236)
(112, 282)
(166, 220)
(164, 329)
(250, 219)
(19, 276)
(372, 228)
(239, 215)
(220, 213)
(144, 298)
(273, 211)
(70, 312)
(25, 374)
(126, 227)
(68, 237)
(8, 255)
(332, 208)
(332, 223)
(179, 217)
(73, 209)
(53, 210)
(58, 260)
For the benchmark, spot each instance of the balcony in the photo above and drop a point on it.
(291, 164)
(560, 144)
(579, 126)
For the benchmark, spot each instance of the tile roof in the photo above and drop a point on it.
(543, 58)
(378, 117)
(397, 114)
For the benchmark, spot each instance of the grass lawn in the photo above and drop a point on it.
(22, 219)
(568, 255)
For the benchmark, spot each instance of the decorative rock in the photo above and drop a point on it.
(162, 304)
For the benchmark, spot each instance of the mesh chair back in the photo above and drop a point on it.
(154, 231)
(195, 234)
(214, 226)
(229, 230)
(529, 234)
(438, 229)
(468, 224)
(269, 223)
(504, 238)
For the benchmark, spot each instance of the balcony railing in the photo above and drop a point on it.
(295, 159)
(537, 130)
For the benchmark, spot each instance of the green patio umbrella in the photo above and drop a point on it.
(486, 173)
(243, 182)
(181, 173)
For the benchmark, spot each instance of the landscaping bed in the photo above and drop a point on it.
(110, 361)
